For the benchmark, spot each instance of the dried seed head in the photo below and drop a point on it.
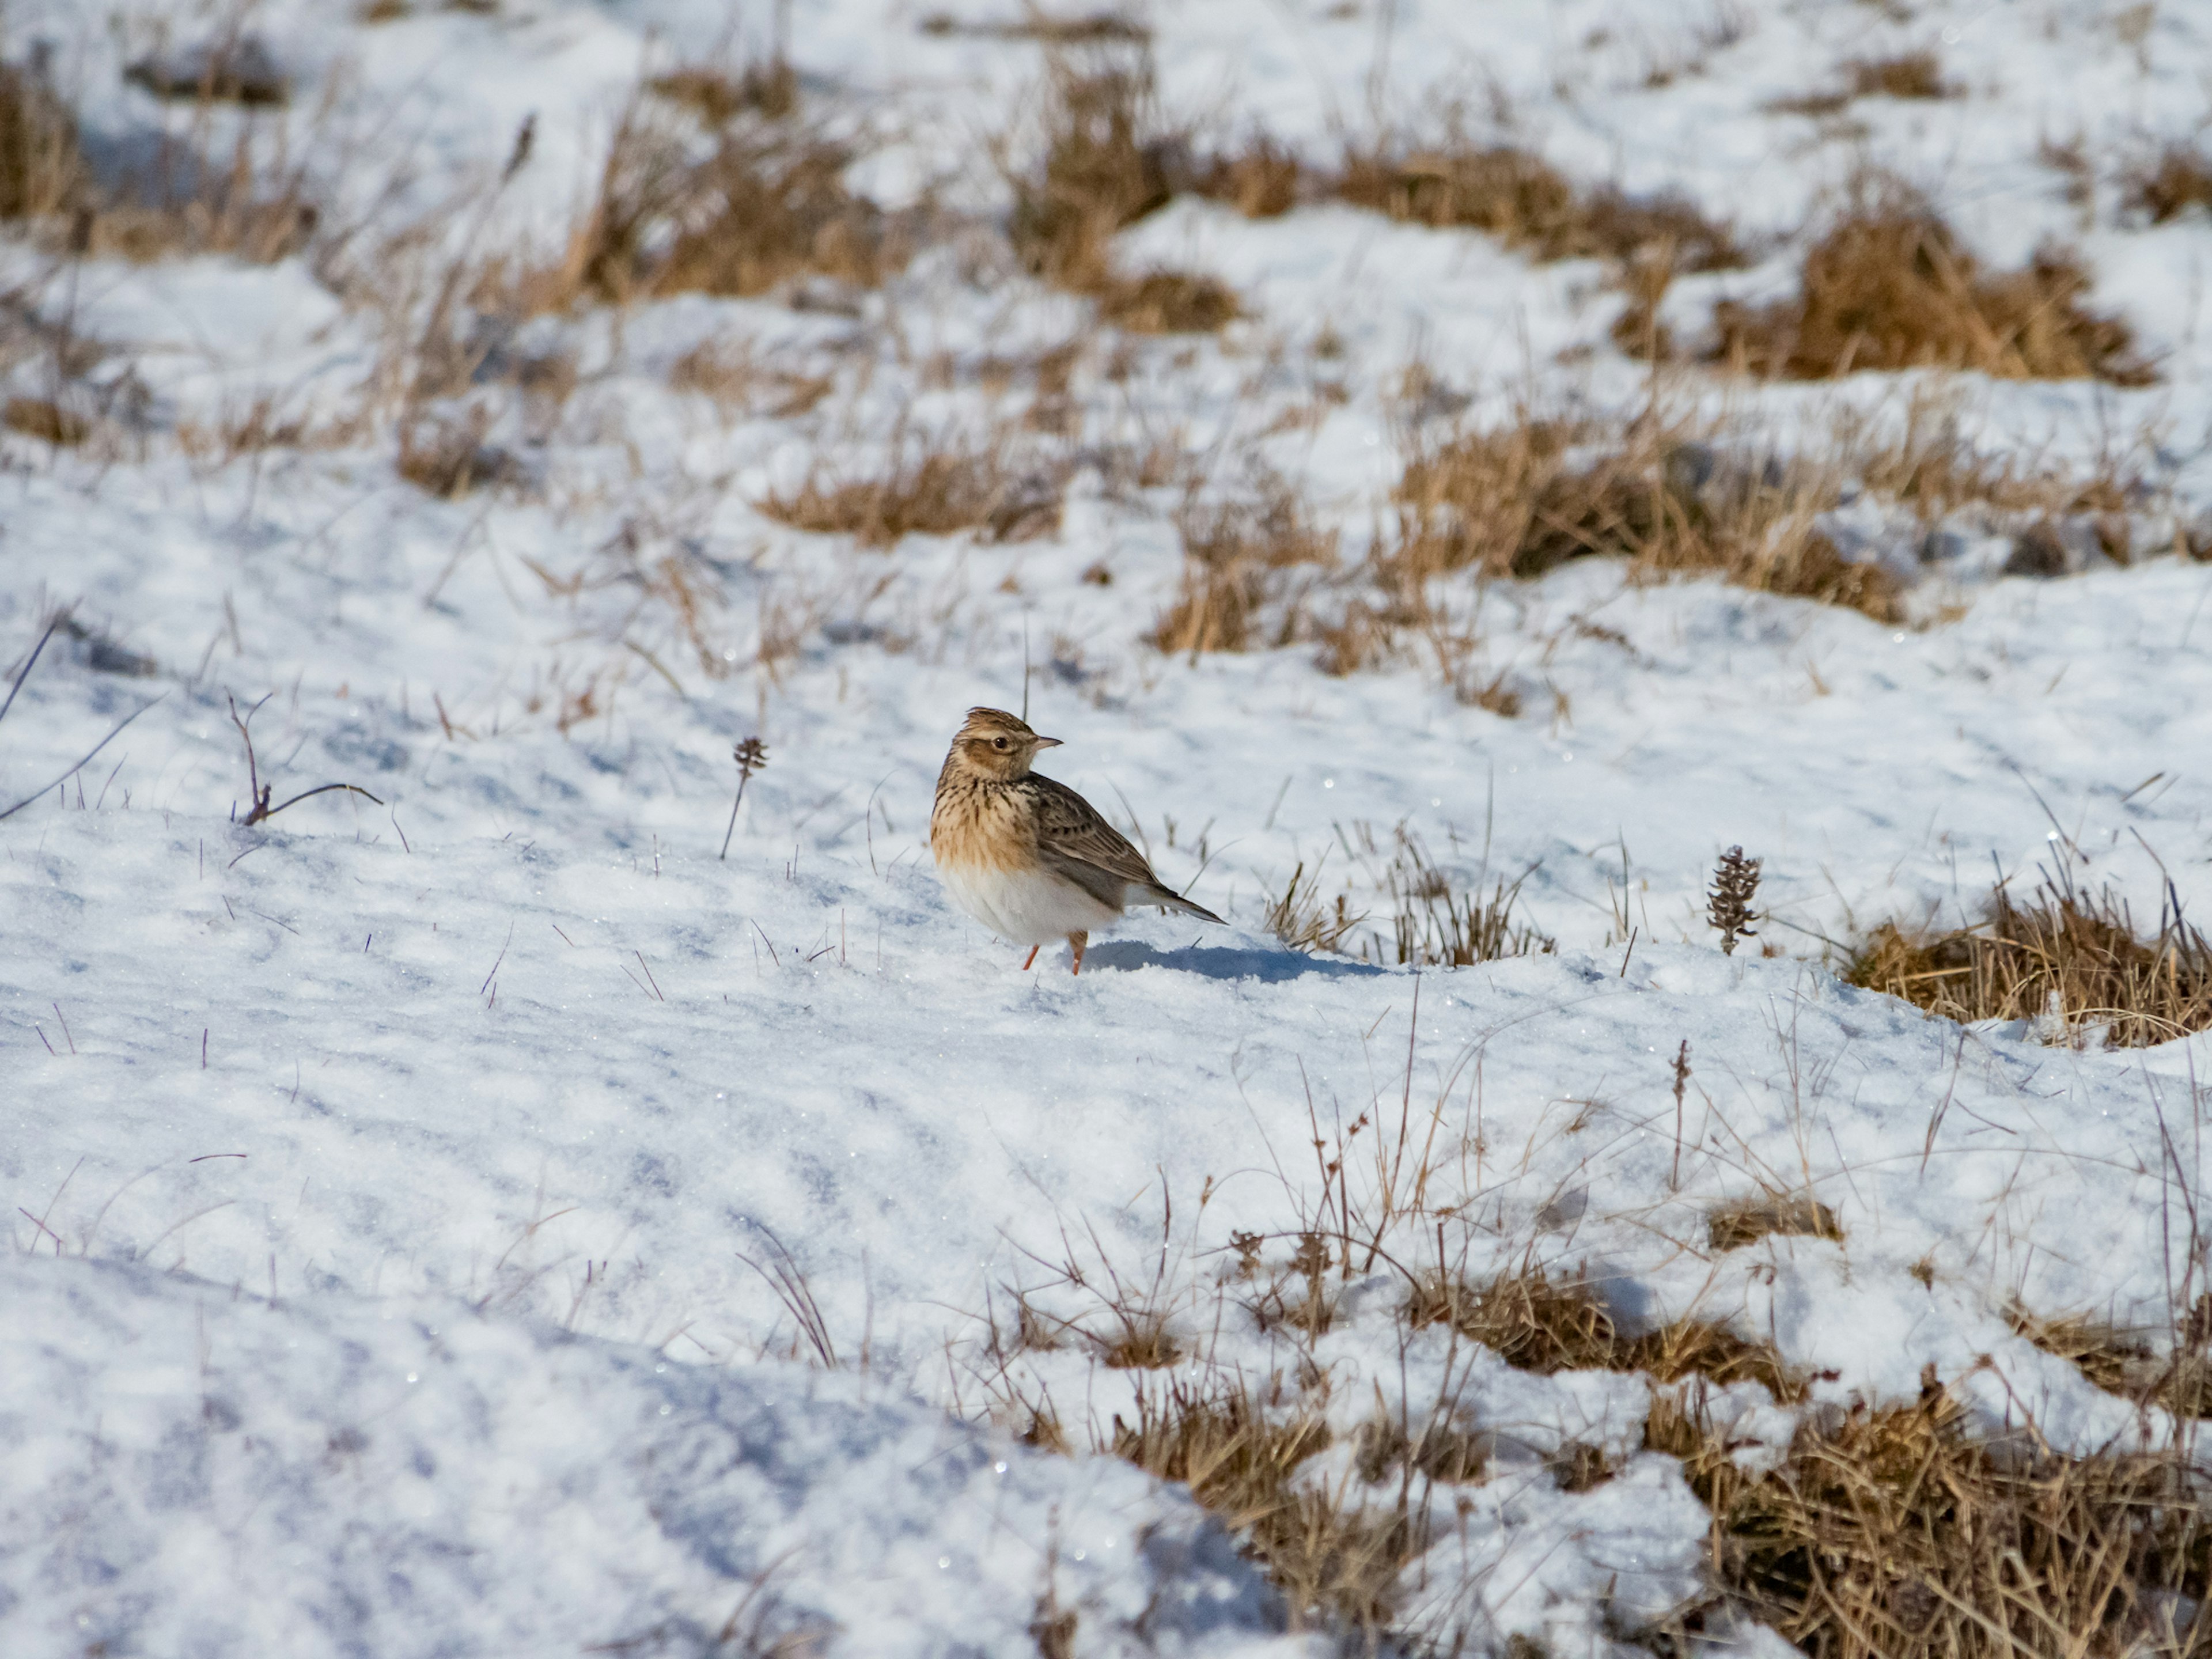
(1735, 882)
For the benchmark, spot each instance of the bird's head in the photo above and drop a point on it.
(995, 744)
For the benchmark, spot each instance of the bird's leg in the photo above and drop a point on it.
(1031, 957)
(1075, 943)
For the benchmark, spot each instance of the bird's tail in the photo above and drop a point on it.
(1168, 901)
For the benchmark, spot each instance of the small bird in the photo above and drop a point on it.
(1029, 858)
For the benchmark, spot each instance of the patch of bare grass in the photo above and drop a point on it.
(2124, 1362)
(764, 205)
(1245, 558)
(45, 420)
(1745, 1222)
(1436, 923)
(234, 67)
(1888, 1532)
(1110, 159)
(2071, 962)
(2165, 185)
(1336, 1556)
(1523, 498)
(1537, 1324)
(1909, 74)
(1890, 288)
(41, 167)
(927, 490)
(1517, 197)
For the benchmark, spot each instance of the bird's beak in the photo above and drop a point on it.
(1047, 742)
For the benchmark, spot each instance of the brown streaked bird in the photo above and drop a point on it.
(1029, 858)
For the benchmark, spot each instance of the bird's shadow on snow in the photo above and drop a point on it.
(1219, 962)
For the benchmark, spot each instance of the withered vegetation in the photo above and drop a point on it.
(2165, 185)
(1109, 159)
(2126, 1363)
(1537, 1324)
(1908, 75)
(1893, 1531)
(758, 203)
(1247, 556)
(928, 489)
(1517, 197)
(1889, 287)
(2070, 961)
(1748, 1220)
(1336, 1556)
(1523, 498)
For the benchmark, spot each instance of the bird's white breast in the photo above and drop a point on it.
(1025, 907)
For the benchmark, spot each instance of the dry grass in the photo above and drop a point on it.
(1435, 924)
(1109, 159)
(764, 206)
(2165, 185)
(1888, 1533)
(1733, 1226)
(233, 68)
(1247, 559)
(1335, 1558)
(1089, 28)
(2070, 961)
(1537, 1325)
(449, 459)
(1927, 466)
(44, 419)
(927, 491)
(1304, 920)
(1526, 202)
(1889, 287)
(2124, 1362)
(1520, 499)
(41, 168)
(1910, 75)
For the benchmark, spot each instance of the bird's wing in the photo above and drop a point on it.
(1077, 843)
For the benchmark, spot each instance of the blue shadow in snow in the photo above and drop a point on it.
(1220, 961)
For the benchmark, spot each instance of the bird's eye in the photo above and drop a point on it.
(997, 743)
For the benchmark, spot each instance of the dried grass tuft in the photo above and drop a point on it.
(2124, 1362)
(41, 168)
(926, 492)
(1247, 559)
(1536, 1324)
(1889, 287)
(1889, 1532)
(1433, 923)
(2167, 184)
(1520, 499)
(1335, 1557)
(1302, 921)
(44, 419)
(1522, 199)
(1910, 75)
(2068, 961)
(1110, 159)
(1733, 1226)
(765, 206)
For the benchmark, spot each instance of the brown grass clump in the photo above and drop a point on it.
(1091, 28)
(40, 165)
(2167, 185)
(1521, 498)
(1889, 287)
(936, 492)
(1302, 920)
(1888, 1533)
(1534, 1324)
(44, 419)
(1526, 202)
(1262, 180)
(1746, 1221)
(2066, 958)
(1335, 1558)
(766, 205)
(1109, 161)
(235, 69)
(1434, 924)
(2123, 1361)
(450, 458)
(718, 96)
(1911, 75)
(1242, 559)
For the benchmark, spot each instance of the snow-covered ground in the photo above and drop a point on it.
(486, 1220)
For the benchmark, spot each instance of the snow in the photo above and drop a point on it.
(389, 1177)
